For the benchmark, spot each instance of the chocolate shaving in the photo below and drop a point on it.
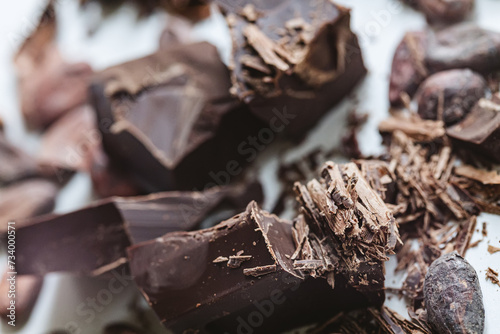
(493, 249)
(259, 271)
(492, 275)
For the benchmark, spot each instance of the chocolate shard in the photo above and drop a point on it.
(408, 67)
(480, 130)
(450, 95)
(26, 199)
(16, 165)
(93, 240)
(169, 119)
(453, 296)
(48, 85)
(445, 11)
(26, 290)
(463, 46)
(191, 293)
(292, 60)
(393, 323)
(66, 145)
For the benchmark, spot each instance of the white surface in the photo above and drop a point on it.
(380, 25)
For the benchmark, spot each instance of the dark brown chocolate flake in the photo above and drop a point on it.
(259, 271)
(453, 296)
(493, 249)
(492, 275)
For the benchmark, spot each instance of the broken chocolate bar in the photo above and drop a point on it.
(480, 130)
(329, 260)
(450, 95)
(169, 119)
(98, 235)
(191, 292)
(453, 296)
(25, 199)
(293, 59)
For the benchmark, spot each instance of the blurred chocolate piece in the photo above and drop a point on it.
(448, 11)
(177, 32)
(292, 60)
(92, 241)
(408, 67)
(192, 291)
(480, 130)
(169, 119)
(15, 164)
(26, 290)
(68, 142)
(110, 179)
(464, 46)
(49, 86)
(26, 199)
(450, 95)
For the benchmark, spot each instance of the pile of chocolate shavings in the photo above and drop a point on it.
(344, 224)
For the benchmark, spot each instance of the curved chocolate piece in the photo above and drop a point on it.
(455, 91)
(188, 280)
(294, 57)
(169, 119)
(480, 130)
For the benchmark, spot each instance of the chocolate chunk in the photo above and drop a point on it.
(26, 199)
(169, 119)
(16, 165)
(450, 95)
(26, 290)
(448, 11)
(480, 130)
(190, 293)
(292, 60)
(464, 46)
(98, 235)
(408, 67)
(66, 145)
(49, 86)
(453, 296)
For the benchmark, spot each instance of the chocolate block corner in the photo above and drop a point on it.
(299, 65)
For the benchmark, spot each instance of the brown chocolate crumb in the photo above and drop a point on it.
(493, 249)
(492, 275)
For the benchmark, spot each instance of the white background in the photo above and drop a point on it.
(380, 25)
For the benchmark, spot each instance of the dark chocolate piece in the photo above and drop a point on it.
(292, 60)
(450, 95)
(49, 87)
(67, 144)
(408, 67)
(463, 46)
(26, 290)
(448, 11)
(26, 199)
(480, 130)
(170, 120)
(16, 165)
(453, 296)
(93, 240)
(191, 293)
